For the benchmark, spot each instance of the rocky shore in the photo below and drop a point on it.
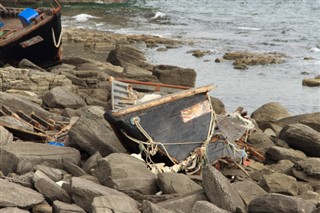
(93, 172)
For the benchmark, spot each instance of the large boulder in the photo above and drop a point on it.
(269, 113)
(274, 202)
(126, 173)
(93, 133)
(170, 183)
(62, 97)
(15, 195)
(279, 183)
(84, 191)
(302, 137)
(310, 119)
(219, 190)
(175, 75)
(22, 157)
(278, 153)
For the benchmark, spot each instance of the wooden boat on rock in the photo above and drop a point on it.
(180, 129)
(33, 34)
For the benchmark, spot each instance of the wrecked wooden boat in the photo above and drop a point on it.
(180, 129)
(33, 34)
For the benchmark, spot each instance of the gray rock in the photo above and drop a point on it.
(310, 119)
(248, 190)
(22, 157)
(311, 166)
(283, 166)
(14, 122)
(93, 133)
(5, 136)
(272, 202)
(73, 169)
(23, 180)
(260, 141)
(126, 173)
(16, 103)
(61, 207)
(62, 97)
(148, 207)
(278, 153)
(114, 203)
(206, 207)
(185, 202)
(279, 183)
(220, 191)
(92, 162)
(84, 191)
(43, 207)
(302, 137)
(269, 113)
(175, 75)
(49, 188)
(53, 173)
(170, 183)
(13, 210)
(303, 187)
(15, 195)
(26, 64)
(311, 196)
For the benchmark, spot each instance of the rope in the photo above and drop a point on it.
(55, 43)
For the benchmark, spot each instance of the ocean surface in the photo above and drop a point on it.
(291, 27)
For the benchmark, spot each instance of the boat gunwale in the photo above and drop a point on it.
(25, 31)
(162, 100)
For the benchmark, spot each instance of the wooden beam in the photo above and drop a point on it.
(163, 100)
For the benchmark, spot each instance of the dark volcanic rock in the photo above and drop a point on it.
(270, 203)
(15, 195)
(303, 138)
(219, 190)
(126, 173)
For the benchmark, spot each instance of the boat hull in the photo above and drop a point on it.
(38, 46)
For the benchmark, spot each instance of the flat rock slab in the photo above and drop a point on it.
(22, 157)
(149, 207)
(15, 195)
(114, 203)
(272, 202)
(13, 210)
(126, 173)
(206, 207)
(278, 153)
(61, 207)
(219, 190)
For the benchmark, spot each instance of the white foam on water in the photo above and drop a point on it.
(84, 17)
(314, 49)
(249, 28)
(158, 15)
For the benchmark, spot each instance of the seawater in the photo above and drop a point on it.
(291, 27)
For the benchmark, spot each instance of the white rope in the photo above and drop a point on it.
(55, 43)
